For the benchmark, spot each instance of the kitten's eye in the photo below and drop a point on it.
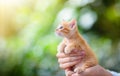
(60, 27)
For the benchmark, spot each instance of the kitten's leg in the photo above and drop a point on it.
(69, 48)
(79, 69)
(61, 46)
(86, 65)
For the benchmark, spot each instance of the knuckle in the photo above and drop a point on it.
(61, 66)
(59, 60)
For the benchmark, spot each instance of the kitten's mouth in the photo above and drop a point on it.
(58, 33)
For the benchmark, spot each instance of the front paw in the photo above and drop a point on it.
(60, 48)
(79, 70)
(67, 51)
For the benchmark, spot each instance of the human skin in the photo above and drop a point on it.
(66, 61)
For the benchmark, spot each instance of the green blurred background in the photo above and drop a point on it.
(28, 42)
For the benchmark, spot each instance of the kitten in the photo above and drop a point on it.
(73, 40)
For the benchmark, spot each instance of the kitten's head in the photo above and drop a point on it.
(66, 29)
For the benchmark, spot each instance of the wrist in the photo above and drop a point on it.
(113, 73)
(108, 73)
(104, 72)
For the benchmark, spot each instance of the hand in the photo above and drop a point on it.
(92, 71)
(67, 61)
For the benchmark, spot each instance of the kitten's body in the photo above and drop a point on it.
(74, 41)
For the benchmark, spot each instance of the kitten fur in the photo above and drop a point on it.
(73, 40)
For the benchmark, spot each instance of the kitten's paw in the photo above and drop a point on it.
(60, 48)
(67, 51)
(79, 70)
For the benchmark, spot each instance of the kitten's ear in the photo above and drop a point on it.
(72, 23)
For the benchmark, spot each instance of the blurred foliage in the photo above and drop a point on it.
(28, 43)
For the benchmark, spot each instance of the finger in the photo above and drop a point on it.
(78, 52)
(67, 65)
(76, 74)
(68, 72)
(63, 55)
(69, 59)
(60, 55)
(75, 54)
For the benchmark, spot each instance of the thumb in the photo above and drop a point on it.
(68, 72)
(76, 74)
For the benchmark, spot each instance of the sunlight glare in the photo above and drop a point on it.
(7, 14)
